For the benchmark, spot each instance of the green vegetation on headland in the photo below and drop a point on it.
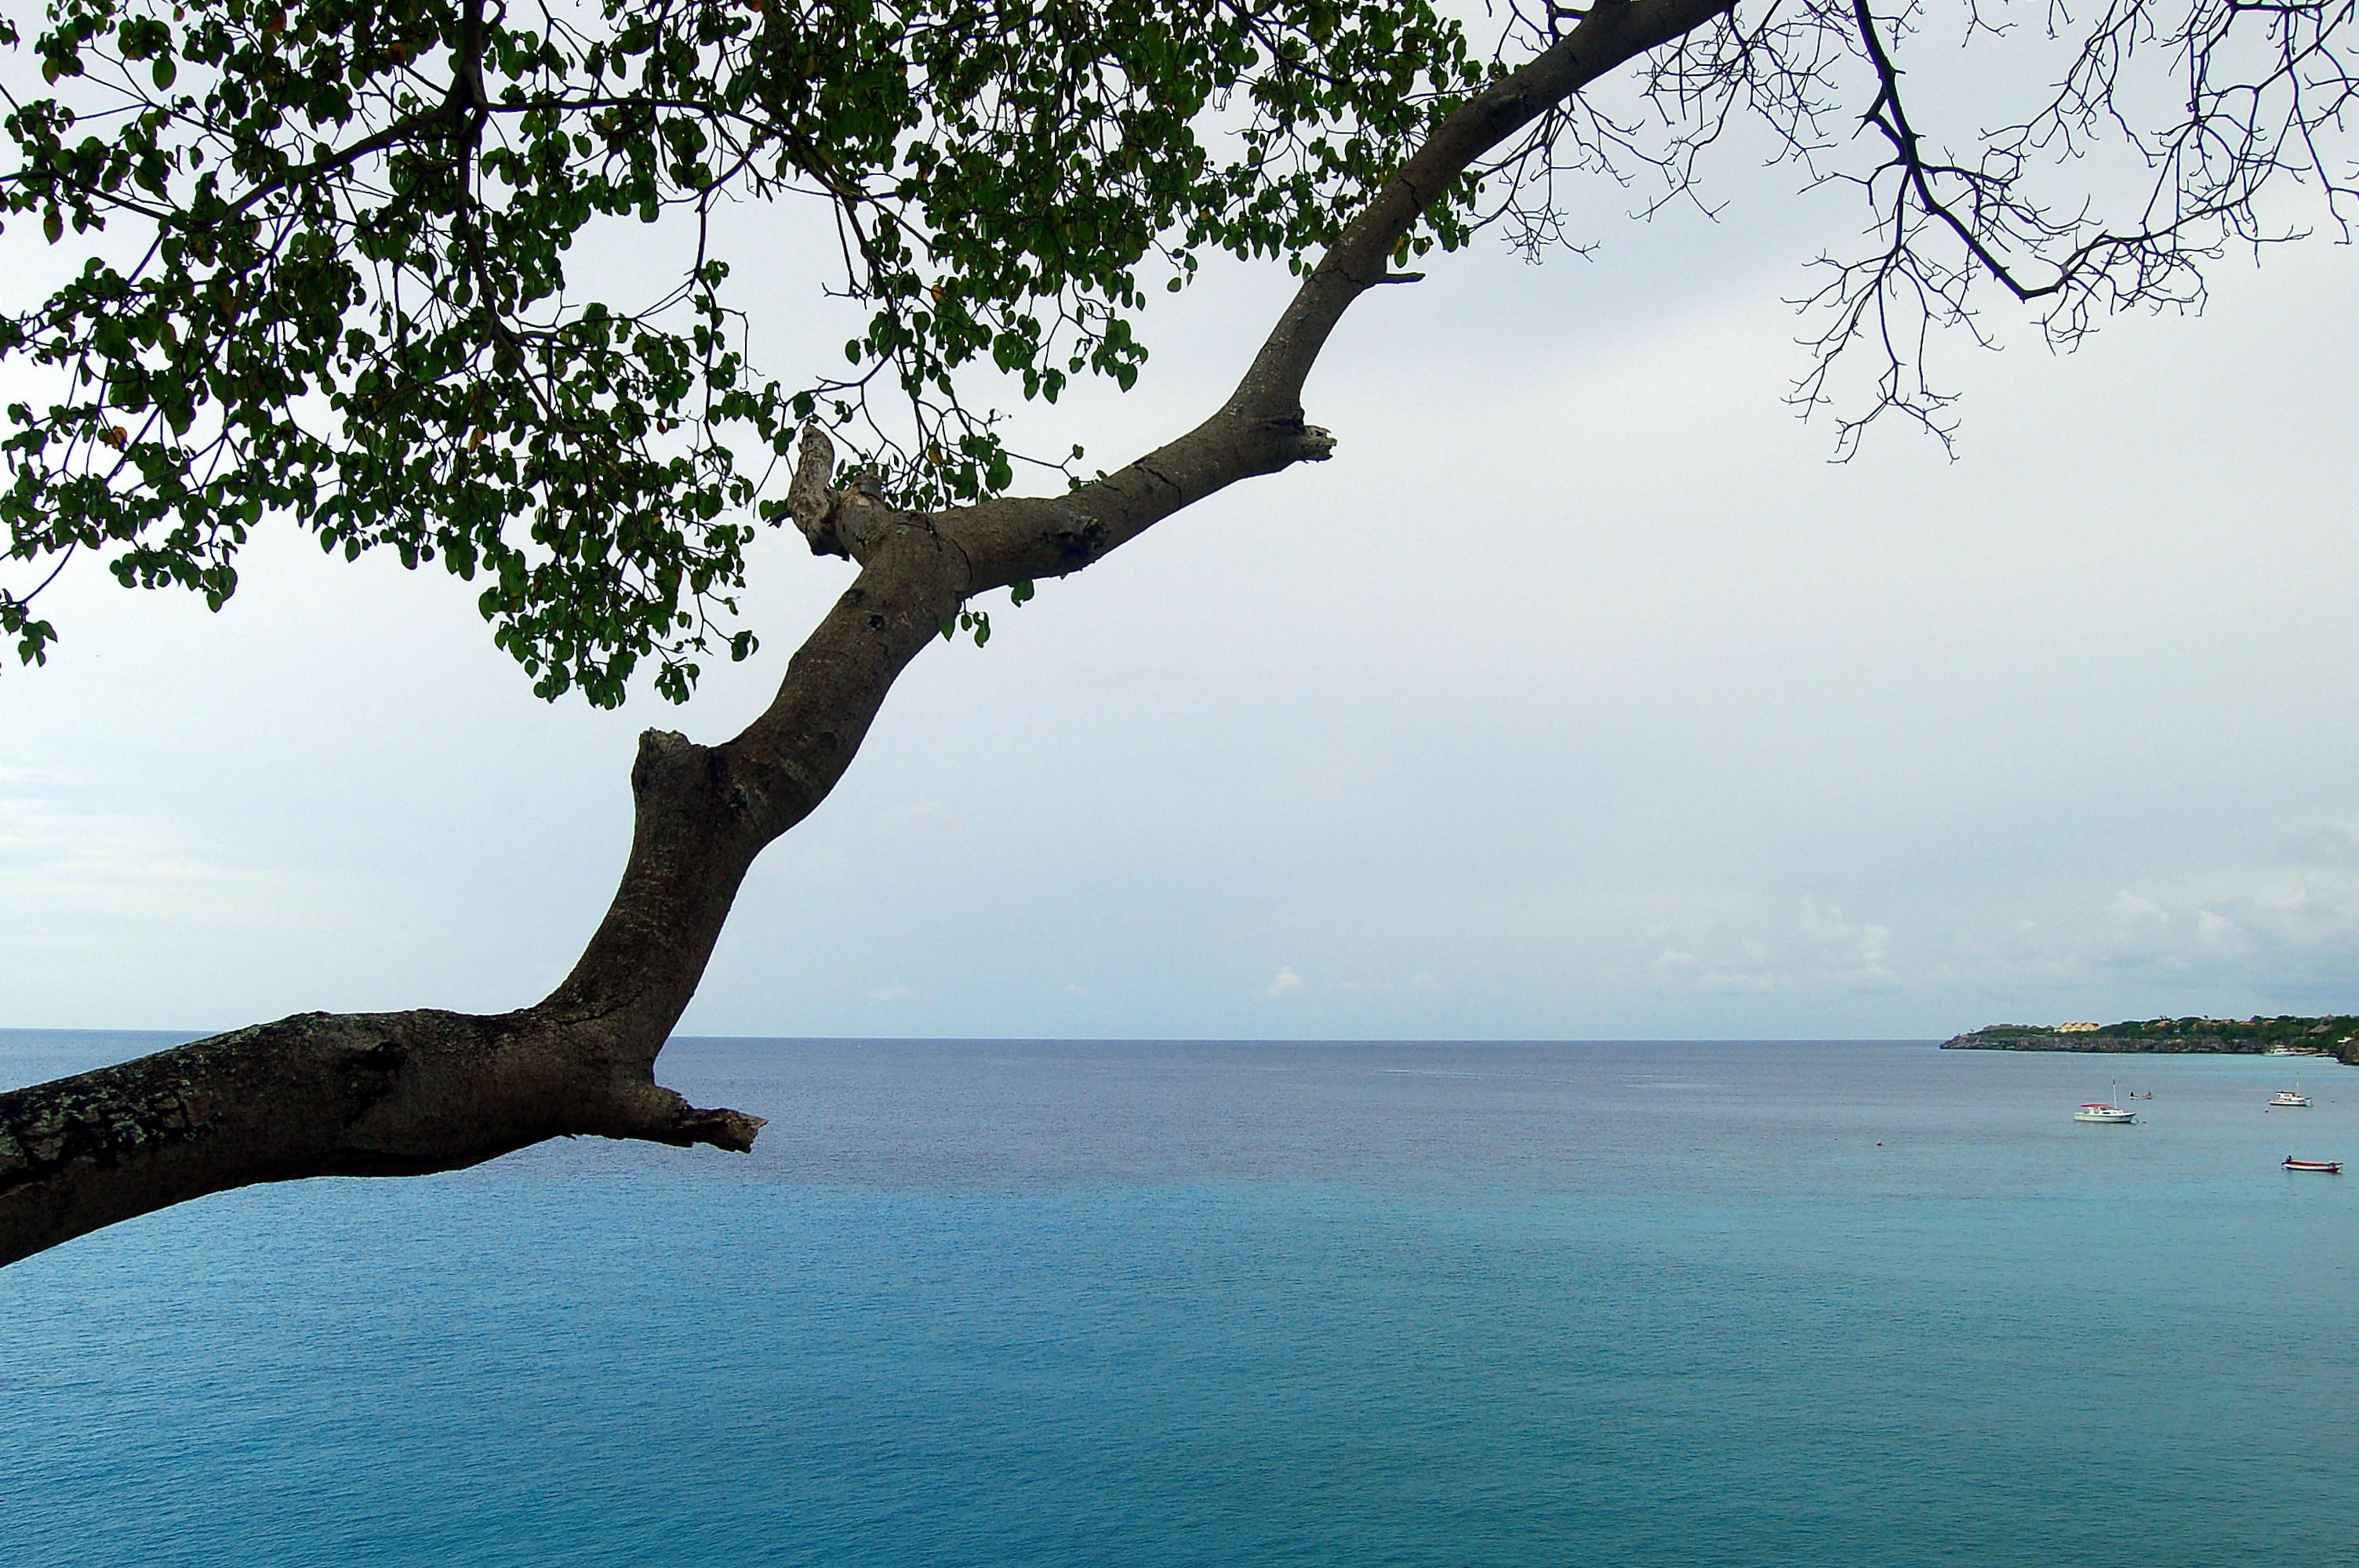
(2336, 1036)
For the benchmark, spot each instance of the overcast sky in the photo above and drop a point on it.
(1580, 696)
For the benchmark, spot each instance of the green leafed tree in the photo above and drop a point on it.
(331, 265)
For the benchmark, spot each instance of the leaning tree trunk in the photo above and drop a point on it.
(406, 1093)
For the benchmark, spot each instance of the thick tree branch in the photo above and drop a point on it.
(389, 1095)
(405, 1093)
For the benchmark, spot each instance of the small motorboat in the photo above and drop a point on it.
(2331, 1167)
(2290, 1099)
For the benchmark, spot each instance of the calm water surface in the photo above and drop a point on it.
(1163, 1304)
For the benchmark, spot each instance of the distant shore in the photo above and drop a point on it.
(2336, 1036)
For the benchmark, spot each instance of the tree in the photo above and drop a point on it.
(322, 281)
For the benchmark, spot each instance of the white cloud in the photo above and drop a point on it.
(2286, 903)
(1749, 982)
(925, 816)
(1744, 970)
(1854, 951)
(2333, 844)
(1287, 983)
(120, 867)
(891, 993)
(1671, 963)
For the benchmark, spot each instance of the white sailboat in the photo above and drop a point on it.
(2102, 1113)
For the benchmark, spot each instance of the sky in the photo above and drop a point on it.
(1581, 696)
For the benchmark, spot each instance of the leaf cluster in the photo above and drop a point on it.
(324, 256)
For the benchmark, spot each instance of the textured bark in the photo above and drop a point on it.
(401, 1094)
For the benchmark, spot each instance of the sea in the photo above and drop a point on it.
(984, 1303)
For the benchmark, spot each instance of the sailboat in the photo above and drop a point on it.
(2101, 1113)
(2292, 1098)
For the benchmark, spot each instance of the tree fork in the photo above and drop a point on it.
(409, 1093)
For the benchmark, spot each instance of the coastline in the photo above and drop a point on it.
(2334, 1037)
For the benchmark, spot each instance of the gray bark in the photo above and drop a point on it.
(406, 1093)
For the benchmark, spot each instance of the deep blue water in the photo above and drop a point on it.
(1039, 1303)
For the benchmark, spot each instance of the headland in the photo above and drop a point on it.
(2336, 1035)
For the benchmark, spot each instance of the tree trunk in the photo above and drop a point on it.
(405, 1093)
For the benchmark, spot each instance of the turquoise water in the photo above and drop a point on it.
(1448, 1304)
